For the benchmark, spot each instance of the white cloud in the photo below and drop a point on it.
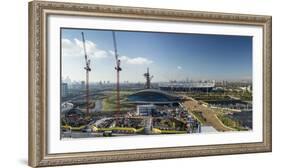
(101, 54)
(179, 67)
(75, 48)
(111, 52)
(136, 60)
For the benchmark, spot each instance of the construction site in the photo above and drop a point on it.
(148, 108)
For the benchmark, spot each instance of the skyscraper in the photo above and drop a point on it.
(64, 89)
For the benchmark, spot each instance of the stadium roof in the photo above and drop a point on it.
(152, 96)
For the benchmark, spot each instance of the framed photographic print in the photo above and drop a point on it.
(113, 83)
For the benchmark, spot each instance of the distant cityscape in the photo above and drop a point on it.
(81, 84)
(210, 85)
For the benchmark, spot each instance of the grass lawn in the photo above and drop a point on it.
(230, 123)
(109, 103)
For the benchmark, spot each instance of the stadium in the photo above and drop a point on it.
(153, 96)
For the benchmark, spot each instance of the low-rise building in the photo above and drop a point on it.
(145, 110)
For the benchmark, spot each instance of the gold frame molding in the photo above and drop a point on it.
(38, 12)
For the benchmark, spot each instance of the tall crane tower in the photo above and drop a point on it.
(118, 69)
(148, 79)
(88, 69)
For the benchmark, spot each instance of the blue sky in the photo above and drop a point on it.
(169, 56)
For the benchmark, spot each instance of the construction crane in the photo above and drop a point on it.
(148, 79)
(88, 69)
(118, 69)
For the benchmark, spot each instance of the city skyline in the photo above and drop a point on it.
(73, 82)
(169, 56)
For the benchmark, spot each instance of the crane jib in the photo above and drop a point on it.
(88, 69)
(115, 46)
(85, 52)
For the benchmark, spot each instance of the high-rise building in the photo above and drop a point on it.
(64, 89)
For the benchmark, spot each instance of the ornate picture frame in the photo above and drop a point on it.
(39, 11)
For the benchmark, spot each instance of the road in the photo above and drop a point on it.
(209, 114)
(98, 106)
(147, 125)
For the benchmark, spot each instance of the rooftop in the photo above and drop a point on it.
(153, 96)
